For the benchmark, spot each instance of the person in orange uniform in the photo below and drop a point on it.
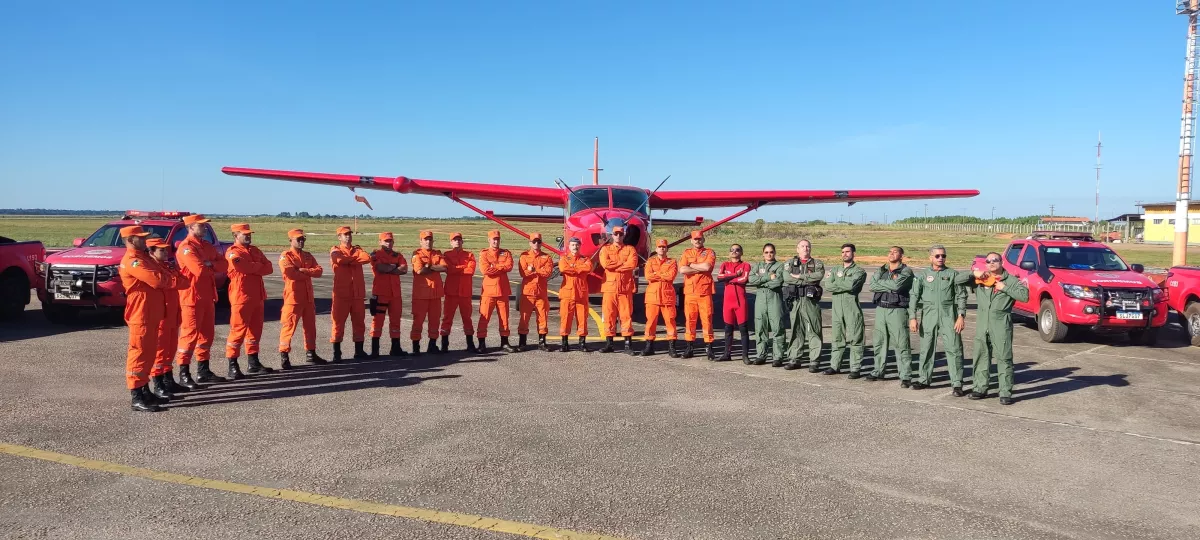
(573, 294)
(247, 266)
(619, 262)
(199, 262)
(460, 270)
(144, 281)
(299, 268)
(349, 292)
(535, 268)
(428, 264)
(162, 381)
(387, 266)
(496, 264)
(696, 265)
(660, 273)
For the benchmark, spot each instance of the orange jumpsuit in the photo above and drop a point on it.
(168, 329)
(496, 264)
(460, 270)
(247, 266)
(349, 291)
(698, 289)
(619, 285)
(535, 271)
(144, 280)
(385, 288)
(573, 294)
(426, 293)
(198, 301)
(299, 268)
(660, 295)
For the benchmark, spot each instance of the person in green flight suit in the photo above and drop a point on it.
(844, 283)
(892, 284)
(802, 283)
(767, 278)
(995, 293)
(940, 297)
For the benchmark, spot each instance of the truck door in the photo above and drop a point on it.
(1032, 280)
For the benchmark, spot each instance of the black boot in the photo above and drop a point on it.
(185, 378)
(360, 351)
(671, 349)
(583, 344)
(137, 401)
(416, 347)
(542, 343)
(313, 358)
(397, 350)
(566, 345)
(169, 383)
(285, 361)
(337, 353)
(235, 371)
(708, 351)
(471, 345)
(156, 388)
(687, 351)
(628, 344)
(445, 344)
(482, 346)
(432, 348)
(745, 343)
(608, 342)
(521, 341)
(374, 347)
(504, 344)
(205, 375)
(150, 398)
(254, 366)
(728, 354)
(648, 350)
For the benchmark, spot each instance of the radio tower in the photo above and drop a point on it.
(1187, 135)
(1096, 224)
(596, 163)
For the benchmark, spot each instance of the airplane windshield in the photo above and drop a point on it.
(631, 199)
(584, 198)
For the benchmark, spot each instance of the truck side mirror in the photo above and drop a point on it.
(1137, 268)
(78, 242)
(1028, 265)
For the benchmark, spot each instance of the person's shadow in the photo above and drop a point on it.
(1059, 381)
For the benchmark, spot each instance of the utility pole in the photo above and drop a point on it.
(1052, 210)
(926, 212)
(1096, 224)
(993, 213)
(1187, 135)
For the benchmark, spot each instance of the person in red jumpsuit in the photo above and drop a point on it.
(734, 273)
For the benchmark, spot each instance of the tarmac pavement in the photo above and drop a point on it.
(1103, 442)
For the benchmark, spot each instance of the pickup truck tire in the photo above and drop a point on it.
(1050, 328)
(1191, 322)
(1145, 338)
(14, 293)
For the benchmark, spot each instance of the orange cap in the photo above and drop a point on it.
(457, 235)
(662, 242)
(535, 236)
(619, 229)
(295, 233)
(697, 234)
(425, 234)
(194, 218)
(385, 236)
(133, 230)
(243, 228)
(493, 234)
(156, 243)
(344, 230)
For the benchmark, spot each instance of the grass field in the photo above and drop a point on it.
(872, 241)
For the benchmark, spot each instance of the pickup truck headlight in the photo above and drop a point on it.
(1160, 295)
(108, 273)
(1081, 292)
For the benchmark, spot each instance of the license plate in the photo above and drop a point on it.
(66, 296)
(1131, 315)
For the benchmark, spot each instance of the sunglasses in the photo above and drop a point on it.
(735, 250)
(301, 238)
(618, 233)
(942, 256)
(991, 261)
(765, 252)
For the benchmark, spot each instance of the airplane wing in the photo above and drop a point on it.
(534, 196)
(677, 200)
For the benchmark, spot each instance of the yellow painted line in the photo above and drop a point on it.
(433, 516)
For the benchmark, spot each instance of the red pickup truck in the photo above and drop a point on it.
(1076, 282)
(86, 277)
(19, 262)
(1183, 287)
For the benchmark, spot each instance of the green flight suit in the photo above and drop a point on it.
(806, 311)
(891, 323)
(844, 283)
(994, 332)
(767, 277)
(939, 296)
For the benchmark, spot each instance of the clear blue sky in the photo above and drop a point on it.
(99, 102)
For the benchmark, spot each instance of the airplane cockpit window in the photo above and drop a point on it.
(631, 199)
(584, 198)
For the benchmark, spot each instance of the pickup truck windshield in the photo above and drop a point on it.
(1084, 258)
(110, 235)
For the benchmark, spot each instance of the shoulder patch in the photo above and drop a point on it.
(187, 251)
(232, 255)
(135, 263)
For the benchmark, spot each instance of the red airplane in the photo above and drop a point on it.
(591, 211)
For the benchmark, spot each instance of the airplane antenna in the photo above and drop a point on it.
(596, 164)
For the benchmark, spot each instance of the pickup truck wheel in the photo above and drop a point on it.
(1191, 322)
(14, 294)
(1049, 327)
(1147, 337)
